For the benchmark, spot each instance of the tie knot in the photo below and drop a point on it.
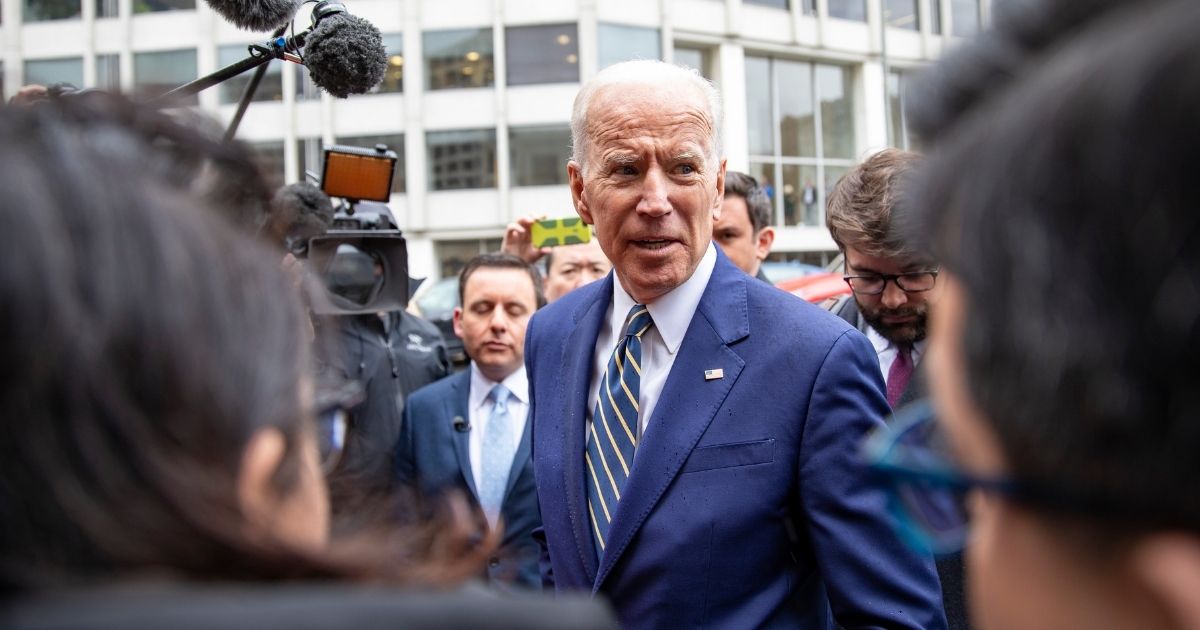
(499, 395)
(638, 321)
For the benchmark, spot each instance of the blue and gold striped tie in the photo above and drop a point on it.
(614, 429)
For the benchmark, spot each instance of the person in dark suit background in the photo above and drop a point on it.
(893, 284)
(743, 231)
(468, 431)
(696, 432)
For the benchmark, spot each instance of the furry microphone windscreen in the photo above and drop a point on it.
(305, 202)
(256, 15)
(345, 55)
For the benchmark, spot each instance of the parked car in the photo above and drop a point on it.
(435, 301)
(818, 287)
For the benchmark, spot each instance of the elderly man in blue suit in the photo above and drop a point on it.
(696, 432)
(469, 431)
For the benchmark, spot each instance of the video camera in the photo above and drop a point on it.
(363, 259)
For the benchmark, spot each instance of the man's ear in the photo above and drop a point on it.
(766, 238)
(1167, 565)
(256, 494)
(575, 179)
(720, 197)
(458, 328)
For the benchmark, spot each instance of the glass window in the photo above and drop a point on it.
(458, 59)
(698, 58)
(797, 125)
(538, 155)
(901, 14)
(964, 17)
(896, 110)
(107, 8)
(309, 157)
(157, 72)
(453, 255)
(811, 108)
(808, 7)
(40, 10)
(393, 142)
(778, 4)
(621, 43)
(545, 53)
(837, 111)
(393, 77)
(108, 72)
(848, 9)
(935, 17)
(48, 71)
(269, 157)
(154, 6)
(461, 159)
(758, 105)
(230, 90)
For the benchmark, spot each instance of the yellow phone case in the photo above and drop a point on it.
(555, 232)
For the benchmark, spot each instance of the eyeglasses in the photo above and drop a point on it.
(909, 282)
(926, 493)
(333, 404)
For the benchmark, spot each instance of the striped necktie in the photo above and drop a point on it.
(614, 428)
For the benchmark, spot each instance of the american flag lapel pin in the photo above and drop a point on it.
(712, 375)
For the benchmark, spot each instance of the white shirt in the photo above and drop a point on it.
(479, 407)
(672, 314)
(887, 351)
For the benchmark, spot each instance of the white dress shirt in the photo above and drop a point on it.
(672, 314)
(479, 406)
(887, 351)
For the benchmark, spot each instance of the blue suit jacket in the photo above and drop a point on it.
(747, 503)
(433, 456)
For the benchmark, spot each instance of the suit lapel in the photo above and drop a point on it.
(456, 407)
(686, 406)
(577, 374)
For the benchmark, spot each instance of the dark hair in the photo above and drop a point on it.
(143, 341)
(860, 206)
(1066, 205)
(500, 261)
(758, 205)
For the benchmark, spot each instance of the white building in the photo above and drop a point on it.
(478, 92)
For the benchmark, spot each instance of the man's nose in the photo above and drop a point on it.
(499, 320)
(893, 296)
(655, 188)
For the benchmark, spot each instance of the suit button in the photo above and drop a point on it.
(493, 562)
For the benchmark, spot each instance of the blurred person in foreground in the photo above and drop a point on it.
(696, 431)
(893, 286)
(470, 431)
(743, 230)
(1061, 200)
(161, 416)
(568, 267)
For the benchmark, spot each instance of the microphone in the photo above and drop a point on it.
(344, 53)
(256, 15)
(461, 425)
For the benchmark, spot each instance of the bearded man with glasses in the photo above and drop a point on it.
(892, 285)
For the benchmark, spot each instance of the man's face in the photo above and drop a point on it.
(897, 315)
(734, 232)
(573, 266)
(649, 184)
(497, 304)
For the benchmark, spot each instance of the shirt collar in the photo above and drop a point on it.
(672, 312)
(481, 386)
(883, 345)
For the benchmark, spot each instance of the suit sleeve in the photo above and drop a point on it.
(539, 534)
(873, 579)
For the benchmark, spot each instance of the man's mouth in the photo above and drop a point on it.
(652, 244)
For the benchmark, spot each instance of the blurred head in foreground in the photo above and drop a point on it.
(1063, 356)
(156, 390)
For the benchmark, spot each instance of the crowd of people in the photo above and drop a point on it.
(993, 429)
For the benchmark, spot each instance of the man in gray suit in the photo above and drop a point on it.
(469, 431)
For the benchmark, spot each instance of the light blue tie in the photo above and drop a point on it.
(613, 437)
(497, 454)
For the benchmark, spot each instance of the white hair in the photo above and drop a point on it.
(644, 72)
